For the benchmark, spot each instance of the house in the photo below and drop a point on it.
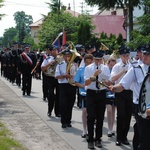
(110, 22)
(34, 29)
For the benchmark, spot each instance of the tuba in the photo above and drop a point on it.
(72, 66)
(50, 71)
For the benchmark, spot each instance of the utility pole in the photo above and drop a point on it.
(74, 7)
(82, 7)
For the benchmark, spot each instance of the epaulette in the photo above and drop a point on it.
(135, 64)
(61, 63)
(48, 57)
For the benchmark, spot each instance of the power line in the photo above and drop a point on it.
(31, 5)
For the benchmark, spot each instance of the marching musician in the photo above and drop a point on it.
(27, 63)
(48, 67)
(67, 90)
(79, 82)
(96, 98)
(133, 80)
(40, 61)
(123, 99)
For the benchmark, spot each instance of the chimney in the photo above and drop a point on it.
(114, 12)
(69, 8)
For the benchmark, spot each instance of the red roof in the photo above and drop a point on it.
(109, 24)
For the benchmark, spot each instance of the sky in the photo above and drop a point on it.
(34, 8)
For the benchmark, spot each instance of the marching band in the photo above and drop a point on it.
(98, 83)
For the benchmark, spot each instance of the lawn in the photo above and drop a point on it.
(7, 142)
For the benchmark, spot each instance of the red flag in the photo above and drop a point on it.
(64, 38)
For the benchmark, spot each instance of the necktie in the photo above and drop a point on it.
(148, 69)
(97, 81)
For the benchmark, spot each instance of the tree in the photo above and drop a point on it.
(23, 22)
(103, 4)
(85, 30)
(52, 26)
(9, 37)
(142, 34)
(1, 5)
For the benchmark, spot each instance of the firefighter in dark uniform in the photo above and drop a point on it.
(28, 61)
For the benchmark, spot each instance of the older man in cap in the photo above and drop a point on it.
(96, 98)
(123, 99)
(133, 80)
(67, 91)
(27, 63)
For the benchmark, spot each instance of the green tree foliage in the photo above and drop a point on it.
(1, 5)
(54, 24)
(120, 39)
(9, 37)
(142, 34)
(30, 40)
(85, 30)
(22, 24)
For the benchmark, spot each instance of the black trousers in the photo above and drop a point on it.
(124, 113)
(67, 99)
(44, 86)
(95, 112)
(53, 94)
(144, 133)
(136, 131)
(26, 83)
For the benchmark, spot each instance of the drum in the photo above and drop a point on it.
(144, 98)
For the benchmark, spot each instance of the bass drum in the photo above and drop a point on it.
(144, 98)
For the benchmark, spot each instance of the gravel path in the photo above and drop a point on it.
(27, 127)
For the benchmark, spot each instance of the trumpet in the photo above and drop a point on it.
(101, 83)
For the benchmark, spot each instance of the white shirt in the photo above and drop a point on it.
(116, 69)
(90, 70)
(47, 60)
(60, 70)
(133, 80)
(51, 70)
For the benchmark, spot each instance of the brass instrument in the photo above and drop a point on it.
(72, 67)
(50, 71)
(103, 47)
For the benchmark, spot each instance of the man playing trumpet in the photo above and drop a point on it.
(96, 98)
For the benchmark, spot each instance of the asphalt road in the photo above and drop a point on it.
(72, 136)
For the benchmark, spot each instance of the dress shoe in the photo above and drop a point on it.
(69, 125)
(90, 145)
(84, 135)
(58, 115)
(98, 144)
(23, 93)
(125, 142)
(113, 134)
(49, 114)
(64, 126)
(44, 99)
(109, 134)
(118, 143)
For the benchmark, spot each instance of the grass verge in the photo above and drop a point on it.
(6, 140)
